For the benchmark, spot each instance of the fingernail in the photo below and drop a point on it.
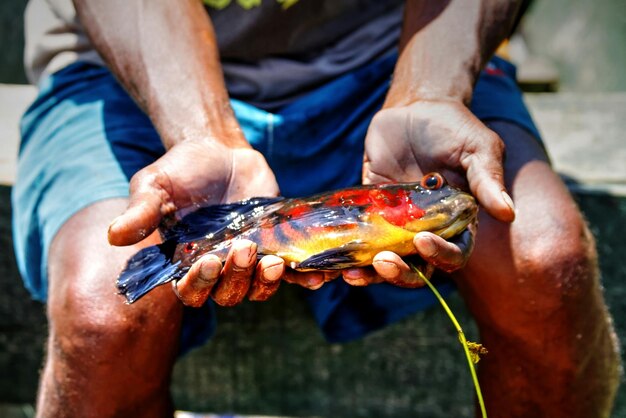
(355, 282)
(272, 273)
(211, 269)
(244, 257)
(111, 234)
(113, 222)
(508, 200)
(392, 268)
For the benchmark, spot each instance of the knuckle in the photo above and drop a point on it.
(494, 144)
(499, 144)
(486, 142)
(493, 139)
(146, 177)
(378, 118)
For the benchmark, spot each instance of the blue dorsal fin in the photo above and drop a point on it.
(210, 219)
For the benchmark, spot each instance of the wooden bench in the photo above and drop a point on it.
(270, 358)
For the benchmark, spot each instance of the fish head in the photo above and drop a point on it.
(429, 205)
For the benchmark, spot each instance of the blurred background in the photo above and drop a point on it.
(584, 40)
(571, 56)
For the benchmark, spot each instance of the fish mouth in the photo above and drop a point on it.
(455, 228)
(461, 210)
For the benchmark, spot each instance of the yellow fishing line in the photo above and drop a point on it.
(472, 350)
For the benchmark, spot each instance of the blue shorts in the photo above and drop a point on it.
(84, 137)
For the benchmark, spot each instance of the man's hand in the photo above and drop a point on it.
(191, 174)
(404, 143)
(201, 172)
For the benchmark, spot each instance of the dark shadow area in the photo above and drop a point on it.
(12, 41)
(22, 321)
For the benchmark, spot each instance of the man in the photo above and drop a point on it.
(306, 81)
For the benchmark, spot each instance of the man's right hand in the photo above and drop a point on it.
(193, 173)
(201, 172)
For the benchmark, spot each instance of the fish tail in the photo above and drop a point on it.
(154, 266)
(149, 268)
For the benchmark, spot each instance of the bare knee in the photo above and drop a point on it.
(558, 261)
(540, 271)
(83, 330)
(91, 325)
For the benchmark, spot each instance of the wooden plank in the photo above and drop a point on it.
(14, 99)
(584, 134)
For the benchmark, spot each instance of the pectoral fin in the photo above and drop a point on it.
(342, 257)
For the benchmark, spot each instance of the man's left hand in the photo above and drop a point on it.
(404, 143)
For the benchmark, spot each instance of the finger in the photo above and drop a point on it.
(236, 275)
(266, 278)
(361, 276)
(195, 288)
(482, 161)
(312, 280)
(466, 239)
(395, 271)
(149, 201)
(442, 254)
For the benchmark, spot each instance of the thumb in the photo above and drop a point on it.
(485, 176)
(149, 202)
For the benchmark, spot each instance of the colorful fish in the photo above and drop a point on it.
(329, 231)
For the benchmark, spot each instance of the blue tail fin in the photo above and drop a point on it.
(149, 268)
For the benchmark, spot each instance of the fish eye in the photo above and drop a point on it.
(189, 247)
(432, 181)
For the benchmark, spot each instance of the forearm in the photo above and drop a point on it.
(165, 54)
(445, 45)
